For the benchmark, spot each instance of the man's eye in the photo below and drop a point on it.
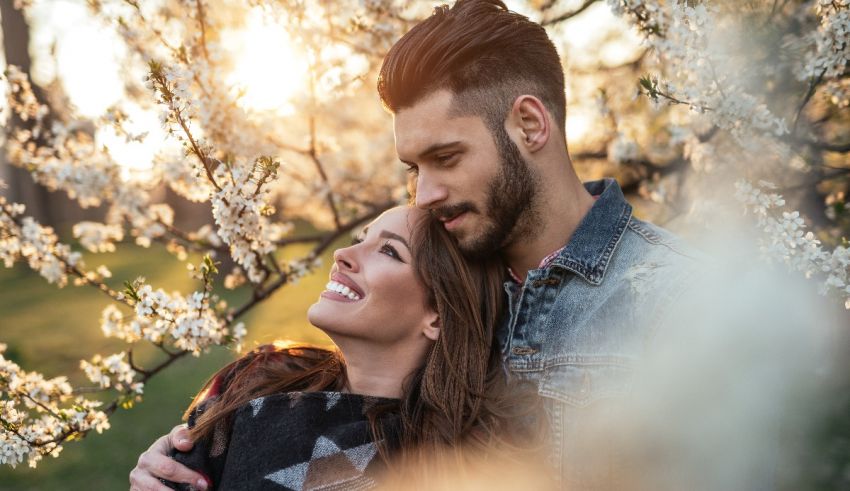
(445, 158)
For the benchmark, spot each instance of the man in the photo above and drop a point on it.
(477, 94)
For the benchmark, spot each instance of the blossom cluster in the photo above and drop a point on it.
(190, 323)
(239, 210)
(786, 240)
(112, 371)
(830, 43)
(829, 50)
(65, 158)
(98, 237)
(37, 414)
(23, 237)
(22, 98)
(685, 40)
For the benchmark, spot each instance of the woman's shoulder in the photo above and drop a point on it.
(284, 357)
(301, 437)
(327, 399)
(321, 408)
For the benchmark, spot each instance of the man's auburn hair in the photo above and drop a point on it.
(483, 53)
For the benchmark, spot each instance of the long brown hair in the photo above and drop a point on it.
(459, 397)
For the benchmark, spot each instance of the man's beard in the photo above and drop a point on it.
(511, 212)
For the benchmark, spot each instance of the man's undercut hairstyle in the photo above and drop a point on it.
(483, 53)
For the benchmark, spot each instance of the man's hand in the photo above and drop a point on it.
(155, 463)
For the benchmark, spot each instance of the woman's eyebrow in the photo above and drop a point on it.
(389, 235)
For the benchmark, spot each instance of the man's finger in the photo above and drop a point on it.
(141, 481)
(162, 466)
(179, 438)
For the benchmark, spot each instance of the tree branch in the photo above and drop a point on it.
(568, 15)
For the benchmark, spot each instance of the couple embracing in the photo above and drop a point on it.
(498, 313)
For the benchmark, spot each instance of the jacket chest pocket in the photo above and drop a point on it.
(581, 384)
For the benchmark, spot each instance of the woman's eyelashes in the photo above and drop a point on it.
(391, 251)
(386, 248)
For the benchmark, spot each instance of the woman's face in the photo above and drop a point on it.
(373, 293)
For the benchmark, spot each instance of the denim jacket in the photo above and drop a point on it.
(579, 327)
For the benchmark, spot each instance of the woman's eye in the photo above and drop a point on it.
(390, 251)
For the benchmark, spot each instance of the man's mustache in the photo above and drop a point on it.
(451, 211)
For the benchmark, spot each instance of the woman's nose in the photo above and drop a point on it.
(344, 258)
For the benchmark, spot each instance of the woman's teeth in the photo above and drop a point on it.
(342, 290)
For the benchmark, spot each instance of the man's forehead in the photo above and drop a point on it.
(427, 124)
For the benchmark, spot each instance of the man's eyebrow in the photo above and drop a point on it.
(389, 235)
(434, 149)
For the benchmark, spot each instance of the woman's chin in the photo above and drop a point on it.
(314, 313)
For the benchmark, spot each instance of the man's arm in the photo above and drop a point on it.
(155, 463)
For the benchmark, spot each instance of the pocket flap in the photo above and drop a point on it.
(582, 384)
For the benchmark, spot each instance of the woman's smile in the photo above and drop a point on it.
(342, 288)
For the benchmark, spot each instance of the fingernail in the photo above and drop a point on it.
(202, 484)
(183, 441)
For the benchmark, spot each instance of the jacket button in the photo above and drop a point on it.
(547, 281)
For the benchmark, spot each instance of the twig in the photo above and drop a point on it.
(809, 93)
(568, 15)
(314, 154)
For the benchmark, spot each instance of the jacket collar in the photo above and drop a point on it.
(591, 246)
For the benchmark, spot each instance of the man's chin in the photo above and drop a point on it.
(476, 248)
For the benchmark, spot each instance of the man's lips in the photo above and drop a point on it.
(454, 221)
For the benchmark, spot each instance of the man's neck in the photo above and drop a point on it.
(563, 203)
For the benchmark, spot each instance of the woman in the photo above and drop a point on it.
(416, 371)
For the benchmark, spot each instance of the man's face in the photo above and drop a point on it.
(480, 187)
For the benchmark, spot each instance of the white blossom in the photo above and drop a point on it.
(786, 240)
(98, 237)
(112, 371)
(37, 412)
(238, 212)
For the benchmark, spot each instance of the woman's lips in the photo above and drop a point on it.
(337, 297)
(342, 289)
(343, 279)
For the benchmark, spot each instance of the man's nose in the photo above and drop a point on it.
(430, 192)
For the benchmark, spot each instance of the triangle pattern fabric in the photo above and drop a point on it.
(333, 398)
(324, 448)
(256, 405)
(329, 466)
(361, 456)
(295, 441)
(291, 477)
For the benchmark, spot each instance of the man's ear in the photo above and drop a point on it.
(433, 327)
(530, 122)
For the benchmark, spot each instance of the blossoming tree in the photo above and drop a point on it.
(753, 94)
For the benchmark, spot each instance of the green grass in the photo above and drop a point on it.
(50, 330)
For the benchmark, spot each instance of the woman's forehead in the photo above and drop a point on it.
(400, 220)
